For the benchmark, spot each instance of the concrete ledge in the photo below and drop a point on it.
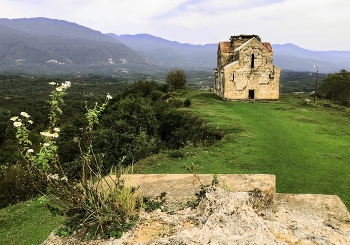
(182, 187)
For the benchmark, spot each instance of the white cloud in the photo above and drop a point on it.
(312, 24)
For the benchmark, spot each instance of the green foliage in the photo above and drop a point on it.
(95, 205)
(151, 204)
(293, 81)
(17, 183)
(203, 187)
(336, 87)
(26, 223)
(106, 209)
(128, 129)
(176, 154)
(181, 128)
(187, 102)
(176, 79)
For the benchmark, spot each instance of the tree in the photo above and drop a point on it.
(176, 79)
(336, 87)
(128, 129)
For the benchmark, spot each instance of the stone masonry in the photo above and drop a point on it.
(245, 69)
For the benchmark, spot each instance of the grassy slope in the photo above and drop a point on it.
(307, 148)
(26, 223)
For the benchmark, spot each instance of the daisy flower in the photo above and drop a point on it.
(25, 114)
(17, 124)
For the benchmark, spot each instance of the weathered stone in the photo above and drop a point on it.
(245, 69)
(248, 211)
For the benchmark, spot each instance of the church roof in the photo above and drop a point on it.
(268, 46)
(225, 47)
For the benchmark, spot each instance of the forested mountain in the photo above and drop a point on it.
(47, 46)
(41, 46)
(173, 53)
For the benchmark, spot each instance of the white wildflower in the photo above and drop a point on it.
(30, 150)
(66, 84)
(46, 144)
(14, 118)
(46, 134)
(64, 178)
(30, 121)
(25, 114)
(17, 124)
(55, 135)
(52, 176)
(59, 89)
(52, 83)
(56, 129)
(109, 97)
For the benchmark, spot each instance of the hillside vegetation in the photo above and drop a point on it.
(306, 148)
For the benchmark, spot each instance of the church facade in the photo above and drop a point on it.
(245, 69)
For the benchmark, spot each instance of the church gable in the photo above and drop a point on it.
(245, 70)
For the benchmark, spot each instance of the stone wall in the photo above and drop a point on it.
(245, 71)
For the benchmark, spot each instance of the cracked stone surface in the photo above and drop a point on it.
(243, 215)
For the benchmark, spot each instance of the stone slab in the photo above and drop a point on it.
(182, 187)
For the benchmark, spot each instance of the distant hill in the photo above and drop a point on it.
(286, 56)
(46, 46)
(172, 53)
(291, 57)
(42, 46)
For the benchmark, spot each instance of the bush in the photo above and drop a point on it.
(187, 103)
(178, 129)
(176, 154)
(17, 184)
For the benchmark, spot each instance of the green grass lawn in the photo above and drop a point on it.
(306, 147)
(26, 223)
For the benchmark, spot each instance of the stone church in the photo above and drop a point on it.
(245, 69)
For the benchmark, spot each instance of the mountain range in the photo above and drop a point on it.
(48, 46)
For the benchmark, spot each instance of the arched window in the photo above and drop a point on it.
(252, 62)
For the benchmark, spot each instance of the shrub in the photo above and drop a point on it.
(17, 184)
(178, 129)
(187, 103)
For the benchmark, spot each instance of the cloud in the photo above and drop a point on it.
(313, 24)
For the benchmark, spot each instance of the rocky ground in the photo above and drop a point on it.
(240, 217)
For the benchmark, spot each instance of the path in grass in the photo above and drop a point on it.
(306, 148)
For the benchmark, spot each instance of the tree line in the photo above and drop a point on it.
(336, 87)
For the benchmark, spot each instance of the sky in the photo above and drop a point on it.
(310, 24)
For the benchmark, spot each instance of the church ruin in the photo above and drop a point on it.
(245, 69)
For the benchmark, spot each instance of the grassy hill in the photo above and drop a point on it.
(306, 147)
